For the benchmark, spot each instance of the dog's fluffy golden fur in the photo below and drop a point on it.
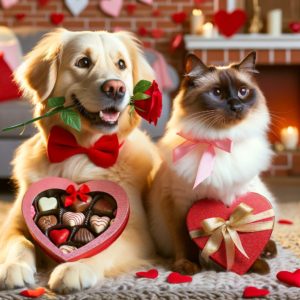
(49, 71)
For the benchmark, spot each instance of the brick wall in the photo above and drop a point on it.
(92, 18)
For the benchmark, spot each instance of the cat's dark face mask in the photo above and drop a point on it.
(220, 97)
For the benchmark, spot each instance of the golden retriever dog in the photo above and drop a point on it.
(88, 69)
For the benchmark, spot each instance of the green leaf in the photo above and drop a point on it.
(141, 86)
(55, 101)
(140, 96)
(71, 118)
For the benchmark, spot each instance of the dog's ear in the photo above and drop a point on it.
(141, 67)
(37, 75)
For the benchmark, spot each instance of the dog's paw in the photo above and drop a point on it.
(71, 277)
(184, 266)
(16, 275)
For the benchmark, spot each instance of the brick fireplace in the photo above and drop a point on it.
(278, 61)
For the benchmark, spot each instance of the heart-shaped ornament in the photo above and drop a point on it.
(150, 274)
(252, 242)
(111, 7)
(8, 3)
(69, 234)
(290, 278)
(295, 27)
(76, 7)
(176, 278)
(254, 292)
(148, 2)
(229, 23)
(57, 18)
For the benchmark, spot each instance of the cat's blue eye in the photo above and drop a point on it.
(217, 92)
(243, 92)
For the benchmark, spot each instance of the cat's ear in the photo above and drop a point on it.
(248, 63)
(194, 67)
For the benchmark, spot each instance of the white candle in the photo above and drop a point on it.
(290, 137)
(197, 20)
(274, 22)
(231, 5)
(208, 30)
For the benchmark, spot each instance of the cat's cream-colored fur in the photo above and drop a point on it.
(234, 173)
(49, 70)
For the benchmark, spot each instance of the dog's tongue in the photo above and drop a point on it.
(109, 116)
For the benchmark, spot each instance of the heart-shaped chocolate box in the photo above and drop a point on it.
(253, 242)
(80, 229)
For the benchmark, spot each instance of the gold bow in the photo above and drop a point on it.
(241, 220)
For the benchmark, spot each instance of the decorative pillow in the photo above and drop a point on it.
(8, 89)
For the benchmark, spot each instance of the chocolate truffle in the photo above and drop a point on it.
(83, 235)
(46, 222)
(73, 219)
(46, 203)
(104, 205)
(67, 249)
(99, 224)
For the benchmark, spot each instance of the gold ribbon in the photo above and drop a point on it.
(241, 220)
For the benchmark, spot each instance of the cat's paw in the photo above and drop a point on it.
(270, 250)
(16, 275)
(260, 266)
(184, 266)
(72, 277)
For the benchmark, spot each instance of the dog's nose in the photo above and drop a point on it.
(114, 89)
(236, 105)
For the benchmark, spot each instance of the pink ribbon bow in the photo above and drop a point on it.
(207, 160)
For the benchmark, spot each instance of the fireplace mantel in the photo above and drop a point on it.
(271, 50)
(244, 41)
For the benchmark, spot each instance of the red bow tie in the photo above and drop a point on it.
(62, 145)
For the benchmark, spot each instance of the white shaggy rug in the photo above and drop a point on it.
(205, 285)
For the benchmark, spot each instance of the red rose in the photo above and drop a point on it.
(150, 109)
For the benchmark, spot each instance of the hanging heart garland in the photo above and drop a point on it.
(111, 7)
(57, 18)
(8, 3)
(76, 7)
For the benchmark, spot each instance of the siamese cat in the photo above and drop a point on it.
(214, 103)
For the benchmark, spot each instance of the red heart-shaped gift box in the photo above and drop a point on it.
(252, 242)
(100, 189)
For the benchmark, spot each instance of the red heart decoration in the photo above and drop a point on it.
(253, 242)
(131, 7)
(59, 236)
(157, 33)
(95, 246)
(230, 23)
(289, 278)
(151, 274)
(179, 17)
(142, 31)
(33, 293)
(57, 18)
(285, 221)
(156, 13)
(43, 2)
(20, 16)
(175, 278)
(295, 27)
(176, 41)
(253, 292)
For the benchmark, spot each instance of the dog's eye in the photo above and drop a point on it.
(84, 62)
(121, 64)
